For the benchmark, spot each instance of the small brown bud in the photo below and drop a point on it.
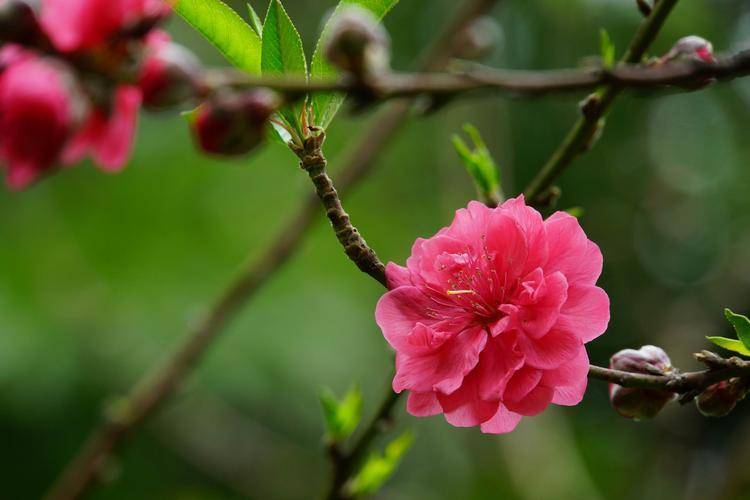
(640, 404)
(479, 39)
(720, 399)
(18, 22)
(357, 43)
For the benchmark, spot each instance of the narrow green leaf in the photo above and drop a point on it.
(283, 54)
(479, 164)
(327, 104)
(607, 49)
(255, 21)
(378, 469)
(341, 417)
(225, 29)
(730, 345)
(741, 325)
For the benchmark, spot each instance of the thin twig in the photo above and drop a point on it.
(345, 465)
(512, 82)
(719, 369)
(314, 163)
(588, 126)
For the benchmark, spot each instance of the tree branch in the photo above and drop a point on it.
(314, 163)
(719, 369)
(512, 82)
(595, 107)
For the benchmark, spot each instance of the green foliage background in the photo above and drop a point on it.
(100, 275)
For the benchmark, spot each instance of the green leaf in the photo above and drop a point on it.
(225, 29)
(479, 163)
(607, 49)
(341, 417)
(283, 54)
(255, 21)
(741, 325)
(327, 104)
(730, 345)
(379, 468)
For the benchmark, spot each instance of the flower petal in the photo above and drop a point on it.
(464, 407)
(423, 404)
(397, 276)
(570, 251)
(507, 246)
(569, 380)
(533, 403)
(112, 148)
(442, 369)
(399, 311)
(532, 224)
(537, 317)
(586, 312)
(522, 383)
(550, 351)
(500, 358)
(502, 422)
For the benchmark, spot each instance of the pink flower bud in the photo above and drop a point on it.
(691, 49)
(356, 42)
(635, 403)
(233, 123)
(40, 106)
(721, 398)
(169, 75)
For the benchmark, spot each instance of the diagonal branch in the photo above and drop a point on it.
(584, 132)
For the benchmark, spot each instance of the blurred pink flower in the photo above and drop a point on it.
(40, 106)
(75, 25)
(490, 316)
(108, 134)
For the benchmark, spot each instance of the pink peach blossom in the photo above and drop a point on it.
(108, 134)
(76, 25)
(40, 106)
(490, 316)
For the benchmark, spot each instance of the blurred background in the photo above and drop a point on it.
(101, 275)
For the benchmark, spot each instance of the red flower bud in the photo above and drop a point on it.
(635, 403)
(721, 398)
(170, 75)
(356, 42)
(233, 123)
(41, 105)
